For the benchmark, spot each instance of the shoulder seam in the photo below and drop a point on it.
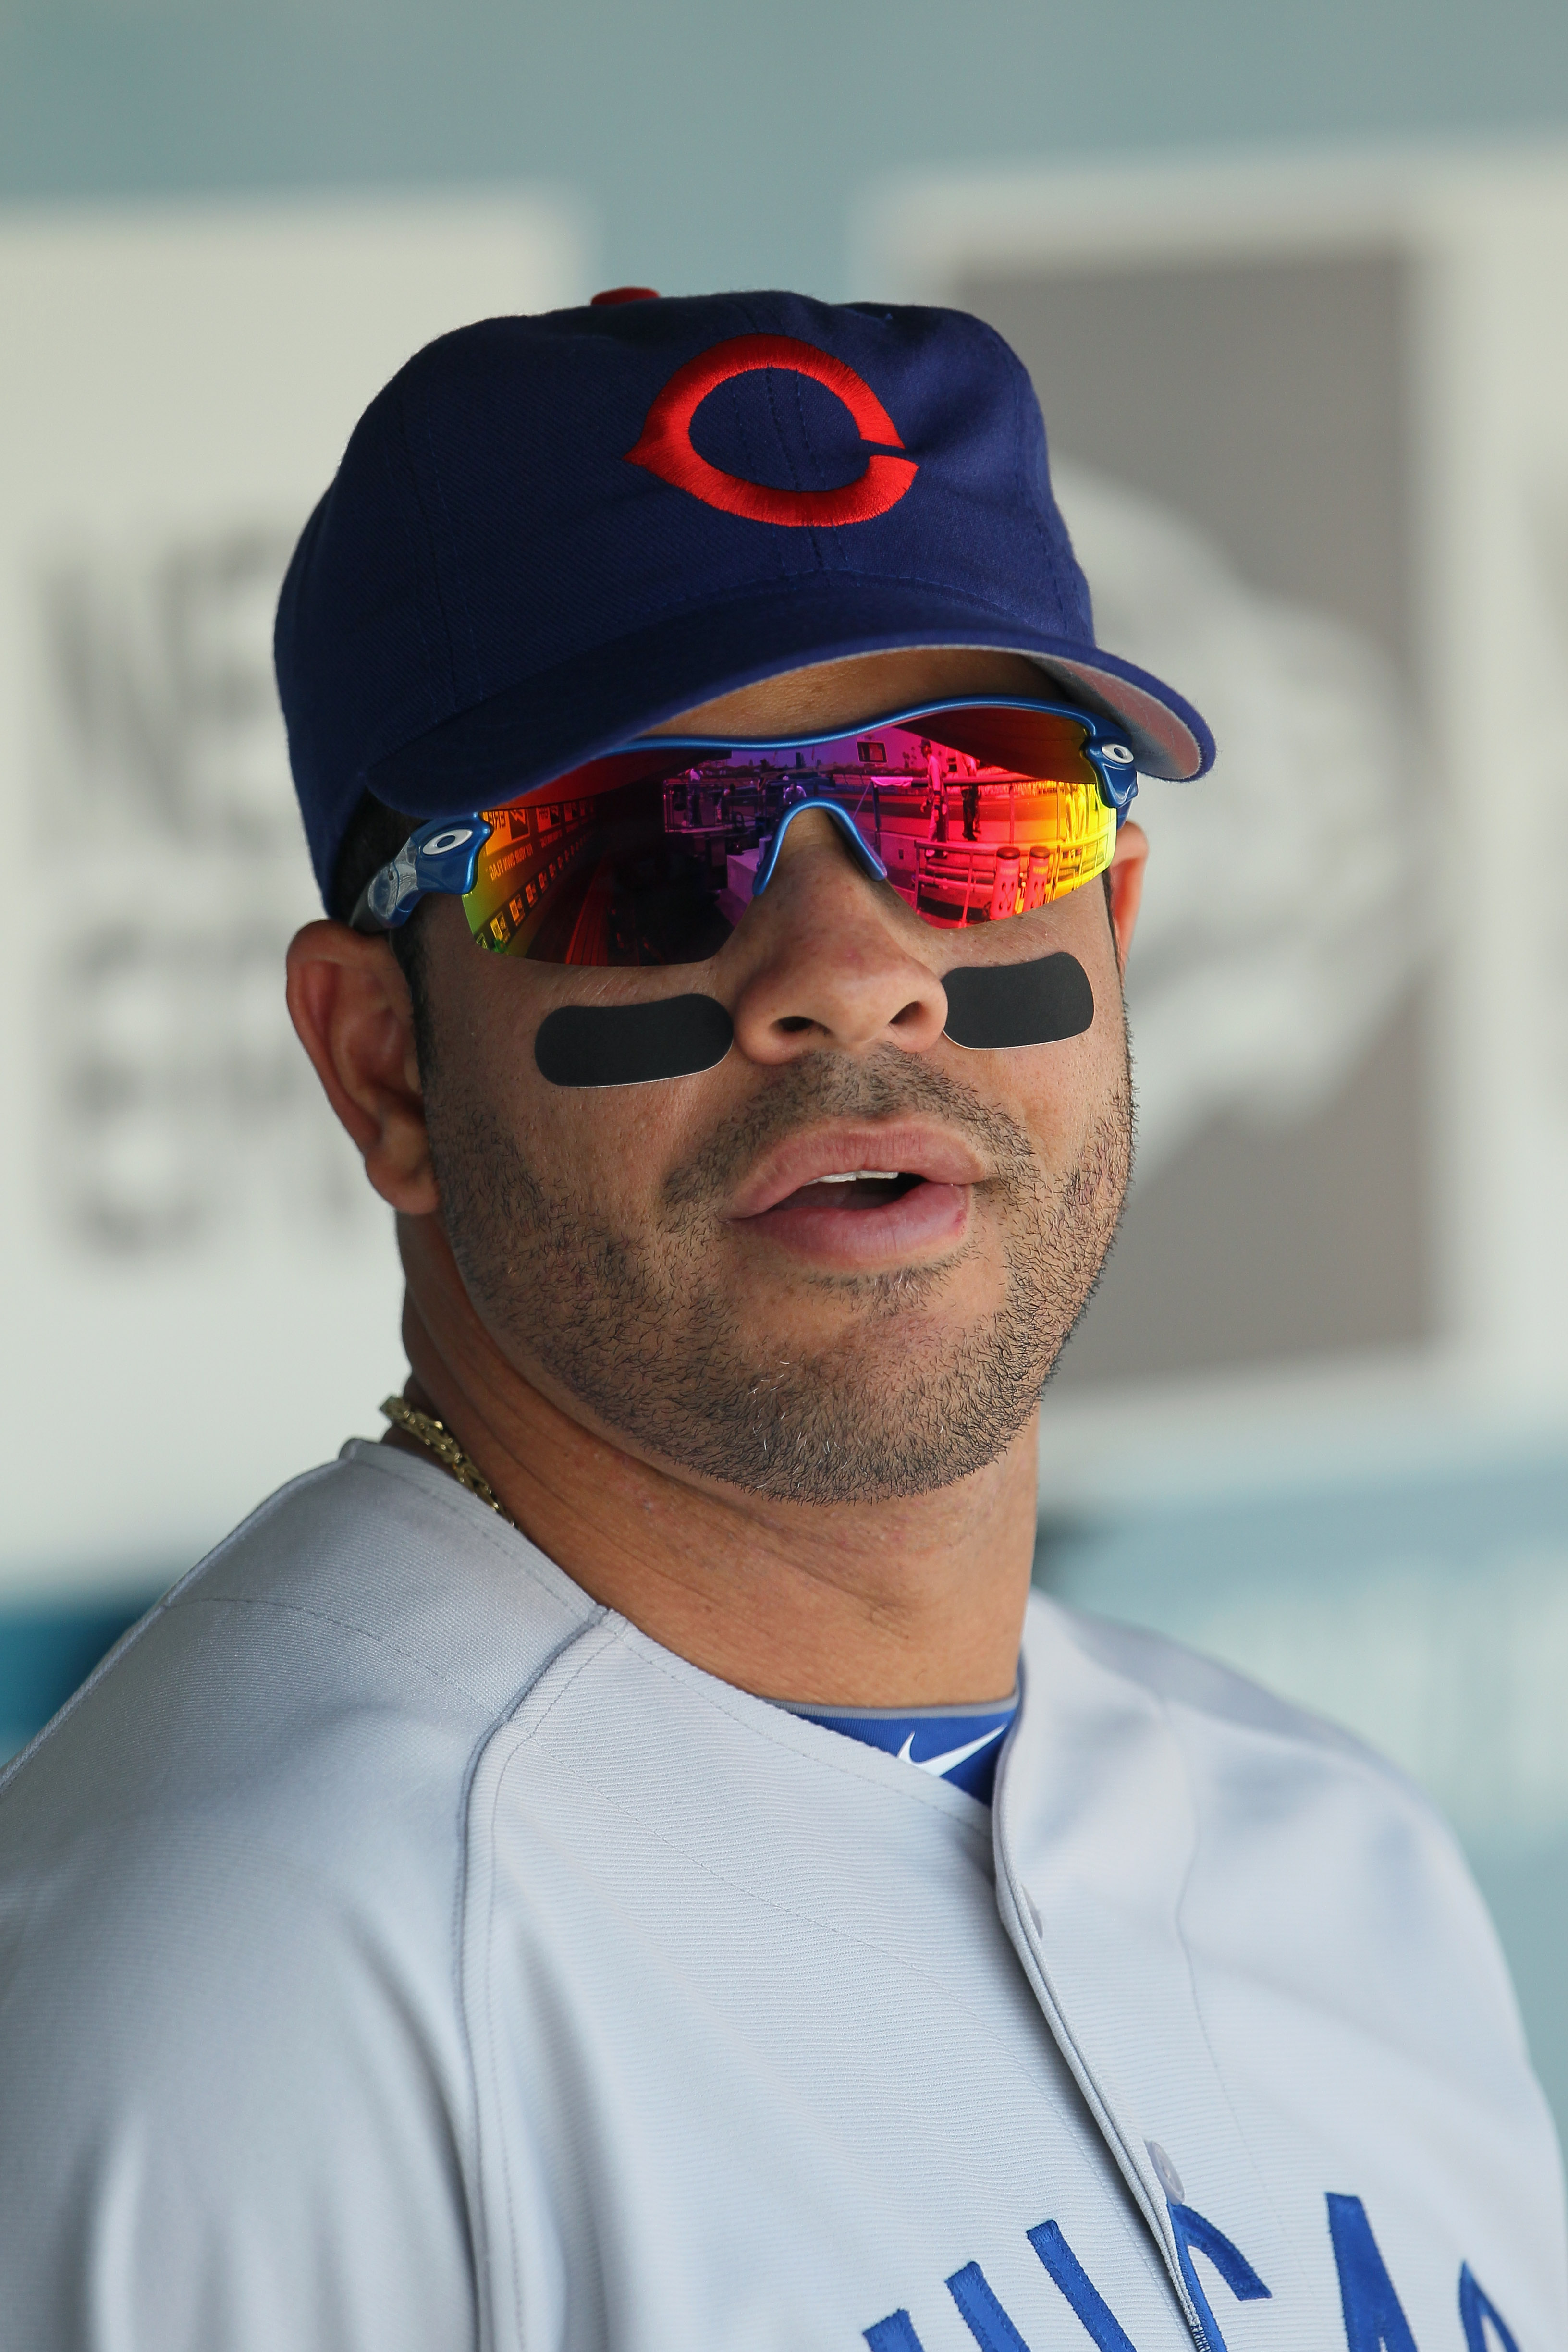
(344, 1624)
(134, 1634)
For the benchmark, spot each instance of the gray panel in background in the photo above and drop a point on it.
(1269, 403)
(1251, 1246)
(1265, 400)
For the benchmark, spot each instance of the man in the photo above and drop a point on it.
(625, 1863)
(935, 760)
(970, 773)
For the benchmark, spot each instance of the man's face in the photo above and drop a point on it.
(670, 1262)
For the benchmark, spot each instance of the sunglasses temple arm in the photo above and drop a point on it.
(1118, 785)
(441, 855)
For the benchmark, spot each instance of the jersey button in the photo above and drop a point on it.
(1166, 2172)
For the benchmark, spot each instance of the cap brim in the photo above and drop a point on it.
(1168, 735)
(560, 718)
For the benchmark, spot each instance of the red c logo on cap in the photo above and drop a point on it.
(664, 445)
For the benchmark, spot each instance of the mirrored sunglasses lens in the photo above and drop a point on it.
(613, 879)
(660, 871)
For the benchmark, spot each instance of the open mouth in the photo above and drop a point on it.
(864, 1198)
(854, 1188)
(863, 1219)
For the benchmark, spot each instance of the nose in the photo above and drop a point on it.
(826, 962)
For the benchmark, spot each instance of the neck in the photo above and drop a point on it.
(918, 1602)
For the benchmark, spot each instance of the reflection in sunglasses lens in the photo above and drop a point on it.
(659, 871)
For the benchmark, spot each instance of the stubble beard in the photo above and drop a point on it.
(640, 1329)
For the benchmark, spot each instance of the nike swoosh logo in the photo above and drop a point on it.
(941, 1764)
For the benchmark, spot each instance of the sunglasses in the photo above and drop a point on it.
(974, 812)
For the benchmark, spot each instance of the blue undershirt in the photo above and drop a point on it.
(956, 1744)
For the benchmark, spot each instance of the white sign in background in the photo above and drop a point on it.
(198, 1293)
(1498, 583)
(1251, 1012)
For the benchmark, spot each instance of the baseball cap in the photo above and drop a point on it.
(550, 534)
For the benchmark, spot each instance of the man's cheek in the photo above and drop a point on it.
(606, 1150)
(1059, 1092)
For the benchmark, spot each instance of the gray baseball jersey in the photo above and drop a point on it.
(397, 1949)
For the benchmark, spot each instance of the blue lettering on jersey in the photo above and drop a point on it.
(982, 2315)
(993, 2330)
(894, 2334)
(1374, 2317)
(989, 2324)
(1475, 2309)
(1105, 2330)
(1194, 2235)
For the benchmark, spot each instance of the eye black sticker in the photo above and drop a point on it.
(632, 1045)
(992, 1004)
(989, 1005)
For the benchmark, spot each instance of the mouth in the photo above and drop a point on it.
(857, 1187)
(871, 1200)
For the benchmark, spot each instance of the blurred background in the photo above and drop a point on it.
(1294, 287)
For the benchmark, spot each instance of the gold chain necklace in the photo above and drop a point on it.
(438, 1439)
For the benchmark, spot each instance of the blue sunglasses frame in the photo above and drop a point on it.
(441, 857)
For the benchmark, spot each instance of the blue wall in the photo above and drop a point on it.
(44, 1651)
(723, 144)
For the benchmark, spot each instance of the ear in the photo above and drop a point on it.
(350, 1005)
(1124, 883)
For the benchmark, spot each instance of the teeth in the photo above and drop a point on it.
(862, 1176)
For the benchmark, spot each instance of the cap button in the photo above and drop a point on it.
(625, 294)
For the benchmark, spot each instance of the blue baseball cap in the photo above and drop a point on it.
(548, 534)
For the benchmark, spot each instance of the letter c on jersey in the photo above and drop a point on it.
(664, 445)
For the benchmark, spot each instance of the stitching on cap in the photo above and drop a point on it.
(775, 530)
(461, 584)
(1023, 391)
(798, 581)
(435, 567)
(772, 530)
(413, 559)
(820, 548)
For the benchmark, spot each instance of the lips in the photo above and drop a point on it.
(910, 1155)
(861, 1199)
